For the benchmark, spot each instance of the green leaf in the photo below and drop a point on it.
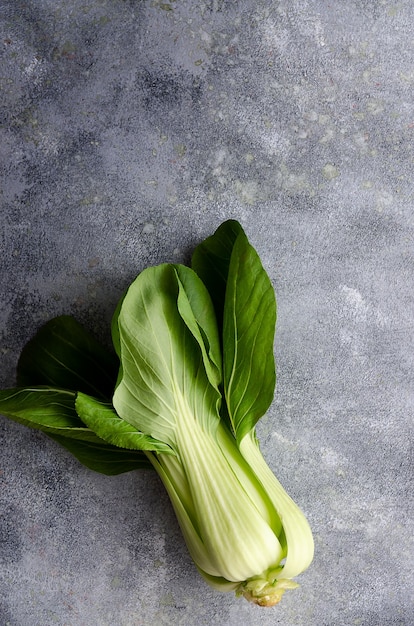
(211, 261)
(104, 458)
(194, 307)
(245, 308)
(63, 354)
(52, 411)
(49, 410)
(248, 336)
(163, 373)
(103, 420)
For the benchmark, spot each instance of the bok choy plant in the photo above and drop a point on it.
(192, 373)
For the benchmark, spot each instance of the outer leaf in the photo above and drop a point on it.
(163, 373)
(49, 410)
(104, 458)
(63, 354)
(297, 535)
(248, 337)
(103, 420)
(211, 261)
(53, 412)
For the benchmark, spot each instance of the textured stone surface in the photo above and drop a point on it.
(129, 131)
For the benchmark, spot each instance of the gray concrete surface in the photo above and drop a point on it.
(129, 131)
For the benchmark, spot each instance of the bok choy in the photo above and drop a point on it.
(192, 373)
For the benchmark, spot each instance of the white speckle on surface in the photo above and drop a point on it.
(384, 199)
(331, 458)
(248, 191)
(375, 107)
(148, 228)
(328, 136)
(360, 311)
(330, 171)
(356, 303)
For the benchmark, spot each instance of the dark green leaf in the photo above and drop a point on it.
(245, 308)
(63, 354)
(211, 260)
(248, 337)
(104, 458)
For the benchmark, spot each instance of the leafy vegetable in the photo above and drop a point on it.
(196, 373)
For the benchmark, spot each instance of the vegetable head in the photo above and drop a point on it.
(194, 348)
(201, 391)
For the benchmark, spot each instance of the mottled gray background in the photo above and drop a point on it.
(129, 130)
